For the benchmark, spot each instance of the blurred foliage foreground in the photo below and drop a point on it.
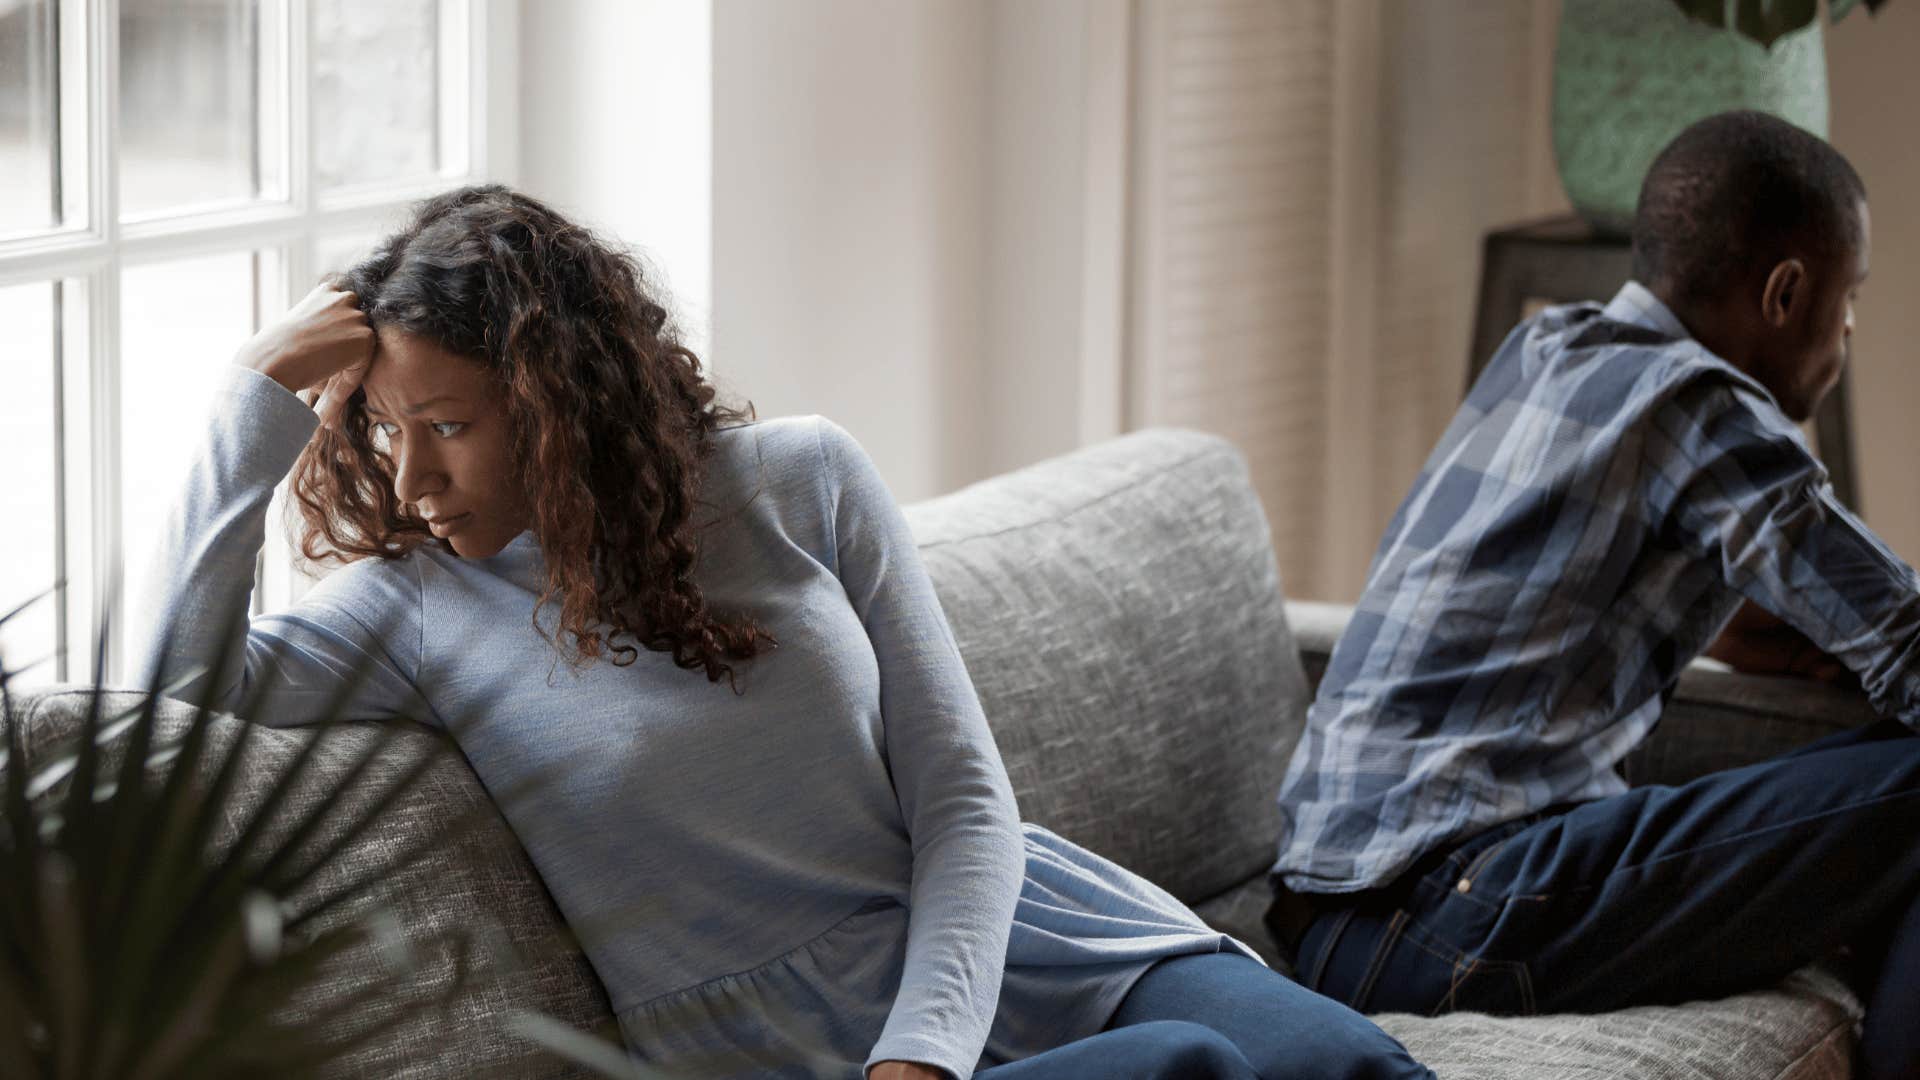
(181, 903)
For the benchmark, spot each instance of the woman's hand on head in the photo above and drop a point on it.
(325, 343)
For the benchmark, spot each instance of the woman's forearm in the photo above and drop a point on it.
(202, 568)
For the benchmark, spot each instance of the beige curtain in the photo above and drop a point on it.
(1311, 184)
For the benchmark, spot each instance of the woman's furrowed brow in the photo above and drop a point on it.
(415, 410)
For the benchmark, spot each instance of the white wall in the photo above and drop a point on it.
(871, 210)
(616, 121)
(849, 224)
(1057, 164)
(1871, 75)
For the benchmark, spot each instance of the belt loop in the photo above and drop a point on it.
(1334, 934)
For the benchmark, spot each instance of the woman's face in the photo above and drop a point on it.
(443, 421)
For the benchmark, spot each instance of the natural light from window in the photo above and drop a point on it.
(152, 217)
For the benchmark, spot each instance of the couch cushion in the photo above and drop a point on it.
(1120, 614)
(1801, 1029)
(482, 882)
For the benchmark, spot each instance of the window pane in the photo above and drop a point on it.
(376, 90)
(29, 116)
(181, 322)
(334, 254)
(200, 103)
(28, 491)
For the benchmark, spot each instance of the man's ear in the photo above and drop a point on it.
(1784, 293)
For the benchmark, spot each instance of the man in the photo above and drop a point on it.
(1618, 480)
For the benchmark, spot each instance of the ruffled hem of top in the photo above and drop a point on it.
(815, 1010)
(1084, 930)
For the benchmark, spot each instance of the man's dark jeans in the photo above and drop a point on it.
(1663, 894)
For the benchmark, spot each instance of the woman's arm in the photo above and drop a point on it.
(364, 619)
(968, 857)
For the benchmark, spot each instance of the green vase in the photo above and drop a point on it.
(1628, 75)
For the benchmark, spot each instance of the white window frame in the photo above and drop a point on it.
(93, 544)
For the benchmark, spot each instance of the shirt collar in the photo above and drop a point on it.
(1636, 304)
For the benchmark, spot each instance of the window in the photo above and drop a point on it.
(173, 174)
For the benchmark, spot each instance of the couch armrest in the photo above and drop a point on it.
(1316, 628)
(1718, 719)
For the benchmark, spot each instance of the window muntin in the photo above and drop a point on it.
(112, 241)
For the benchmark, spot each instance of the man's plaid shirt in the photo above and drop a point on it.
(1586, 526)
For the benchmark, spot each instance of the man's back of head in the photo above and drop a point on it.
(1755, 233)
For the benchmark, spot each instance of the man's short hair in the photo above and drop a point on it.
(1732, 196)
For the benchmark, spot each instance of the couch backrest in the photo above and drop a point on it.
(1120, 613)
(479, 881)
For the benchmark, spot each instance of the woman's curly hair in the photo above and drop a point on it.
(611, 422)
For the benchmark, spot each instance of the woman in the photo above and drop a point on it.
(777, 822)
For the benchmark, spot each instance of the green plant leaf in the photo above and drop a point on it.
(1710, 12)
(17, 1056)
(20, 609)
(296, 1049)
(1767, 21)
(25, 858)
(68, 984)
(286, 877)
(138, 949)
(341, 793)
(227, 878)
(273, 988)
(47, 658)
(451, 832)
(159, 895)
(79, 809)
(118, 844)
(193, 1016)
(65, 754)
(572, 1044)
(18, 1002)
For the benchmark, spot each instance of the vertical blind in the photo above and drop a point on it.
(1247, 228)
(1234, 132)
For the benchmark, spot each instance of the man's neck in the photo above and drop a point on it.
(1716, 326)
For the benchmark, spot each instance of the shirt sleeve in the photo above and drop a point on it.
(355, 634)
(1749, 495)
(956, 800)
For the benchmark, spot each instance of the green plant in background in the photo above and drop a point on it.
(153, 927)
(1767, 21)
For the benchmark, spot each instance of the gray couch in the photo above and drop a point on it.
(1122, 618)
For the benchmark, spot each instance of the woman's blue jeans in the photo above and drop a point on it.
(1661, 895)
(1223, 1015)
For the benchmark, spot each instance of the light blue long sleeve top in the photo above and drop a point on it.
(824, 871)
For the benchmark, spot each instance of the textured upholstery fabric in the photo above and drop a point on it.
(482, 882)
(1121, 617)
(1799, 1030)
(1119, 612)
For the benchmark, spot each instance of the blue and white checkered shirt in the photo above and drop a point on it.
(1589, 522)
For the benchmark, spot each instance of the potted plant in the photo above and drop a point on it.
(180, 893)
(1628, 75)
